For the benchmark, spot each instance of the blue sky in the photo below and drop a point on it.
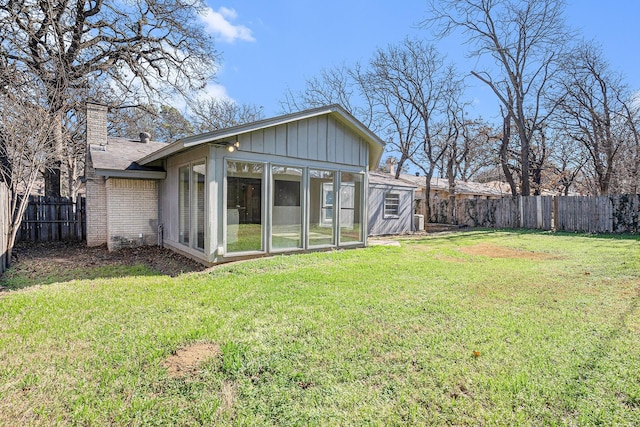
(269, 46)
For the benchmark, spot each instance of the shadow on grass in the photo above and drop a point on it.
(20, 277)
(54, 262)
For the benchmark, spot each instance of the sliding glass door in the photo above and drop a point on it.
(321, 210)
(192, 205)
(286, 207)
(244, 206)
(351, 192)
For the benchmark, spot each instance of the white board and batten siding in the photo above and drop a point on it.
(320, 138)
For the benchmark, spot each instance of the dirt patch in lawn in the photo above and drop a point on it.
(494, 251)
(185, 361)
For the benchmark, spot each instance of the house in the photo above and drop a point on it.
(439, 194)
(296, 182)
(391, 205)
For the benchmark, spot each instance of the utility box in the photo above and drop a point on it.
(418, 222)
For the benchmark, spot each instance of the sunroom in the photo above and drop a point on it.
(291, 183)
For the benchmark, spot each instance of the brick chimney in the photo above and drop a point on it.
(96, 124)
(391, 165)
(95, 188)
(145, 137)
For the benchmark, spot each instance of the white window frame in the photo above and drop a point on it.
(264, 194)
(391, 207)
(192, 214)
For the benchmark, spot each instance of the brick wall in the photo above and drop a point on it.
(132, 212)
(96, 133)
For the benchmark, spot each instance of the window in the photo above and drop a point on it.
(191, 205)
(326, 203)
(244, 206)
(198, 198)
(321, 185)
(351, 192)
(391, 205)
(183, 204)
(286, 214)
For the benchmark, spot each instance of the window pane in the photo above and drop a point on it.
(183, 204)
(321, 187)
(199, 204)
(351, 187)
(286, 223)
(391, 204)
(244, 206)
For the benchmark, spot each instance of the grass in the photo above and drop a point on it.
(435, 332)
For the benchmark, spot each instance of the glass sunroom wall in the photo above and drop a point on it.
(244, 207)
(286, 213)
(183, 205)
(351, 192)
(321, 207)
(199, 200)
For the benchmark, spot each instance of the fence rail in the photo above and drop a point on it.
(53, 219)
(602, 214)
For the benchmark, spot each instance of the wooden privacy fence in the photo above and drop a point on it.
(603, 214)
(590, 214)
(53, 219)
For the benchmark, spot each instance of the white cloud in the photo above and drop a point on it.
(214, 90)
(635, 99)
(211, 90)
(219, 24)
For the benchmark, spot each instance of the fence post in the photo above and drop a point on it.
(554, 213)
(520, 212)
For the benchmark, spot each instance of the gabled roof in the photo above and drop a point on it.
(376, 145)
(117, 158)
(382, 178)
(462, 187)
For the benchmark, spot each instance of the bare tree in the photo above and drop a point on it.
(523, 39)
(409, 82)
(213, 114)
(631, 160)
(393, 83)
(140, 50)
(25, 150)
(567, 162)
(340, 85)
(129, 121)
(596, 111)
(474, 154)
(73, 151)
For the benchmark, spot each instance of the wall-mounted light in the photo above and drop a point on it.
(231, 146)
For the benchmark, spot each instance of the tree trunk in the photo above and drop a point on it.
(451, 209)
(427, 196)
(400, 164)
(504, 150)
(525, 188)
(53, 174)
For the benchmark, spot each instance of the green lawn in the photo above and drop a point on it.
(476, 328)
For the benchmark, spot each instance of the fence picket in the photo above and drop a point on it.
(53, 219)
